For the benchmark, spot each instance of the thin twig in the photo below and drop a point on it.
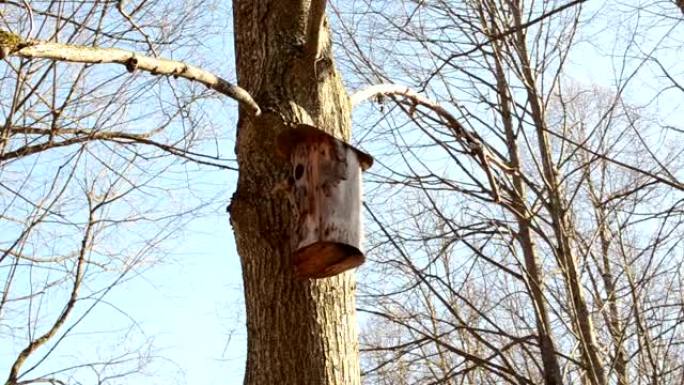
(30, 14)
(120, 7)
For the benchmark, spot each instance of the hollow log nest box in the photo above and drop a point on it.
(327, 234)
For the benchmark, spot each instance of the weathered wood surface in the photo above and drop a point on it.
(327, 193)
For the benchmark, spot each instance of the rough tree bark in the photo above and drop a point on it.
(299, 332)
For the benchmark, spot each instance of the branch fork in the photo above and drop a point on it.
(478, 150)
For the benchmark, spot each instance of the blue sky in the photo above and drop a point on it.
(193, 307)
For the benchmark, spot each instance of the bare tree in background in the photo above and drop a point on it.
(94, 170)
(531, 223)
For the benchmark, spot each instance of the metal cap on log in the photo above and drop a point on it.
(328, 231)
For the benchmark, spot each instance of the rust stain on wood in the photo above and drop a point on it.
(327, 193)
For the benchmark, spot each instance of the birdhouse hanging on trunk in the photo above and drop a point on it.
(328, 232)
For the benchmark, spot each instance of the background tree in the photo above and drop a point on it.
(541, 239)
(94, 170)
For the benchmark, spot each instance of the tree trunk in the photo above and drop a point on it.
(547, 346)
(551, 373)
(557, 208)
(299, 331)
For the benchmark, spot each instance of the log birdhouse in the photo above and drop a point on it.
(328, 232)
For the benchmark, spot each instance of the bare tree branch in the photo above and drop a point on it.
(475, 145)
(314, 25)
(82, 136)
(120, 6)
(132, 61)
(69, 307)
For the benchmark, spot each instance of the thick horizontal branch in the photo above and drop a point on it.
(473, 142)
(133, 61)
(380, 89)
(399, 90)
(78, 136)
(415, 98)
(477, 145)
